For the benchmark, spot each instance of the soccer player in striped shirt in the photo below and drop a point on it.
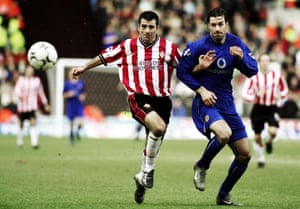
(207, 67)
(28, 90)
(146, 65)
(268, 91)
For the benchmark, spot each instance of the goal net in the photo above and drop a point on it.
(103, 89)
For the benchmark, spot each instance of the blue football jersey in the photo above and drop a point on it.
(73, 105)
(217, 78)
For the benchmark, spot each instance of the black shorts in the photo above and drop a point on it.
(140, 105)
(261, 114)
(26, 115)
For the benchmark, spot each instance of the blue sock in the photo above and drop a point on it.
(212, 149)
(72, 137)
(78, 132)
(235, 171)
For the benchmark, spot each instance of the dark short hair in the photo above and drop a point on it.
(148, 15)
(216, 12)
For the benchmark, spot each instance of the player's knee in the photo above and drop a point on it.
(155, 124)
(257, 138)
(273, 132)
(244, 158)
(224, 135)
(272, 135)
(222, 131)
(159, 130)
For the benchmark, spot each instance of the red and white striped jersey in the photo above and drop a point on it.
(28, 90)
(144, 70)
(266, 89)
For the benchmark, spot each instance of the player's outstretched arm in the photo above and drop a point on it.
(90, 64)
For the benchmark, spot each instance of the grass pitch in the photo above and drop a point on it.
(98, 174)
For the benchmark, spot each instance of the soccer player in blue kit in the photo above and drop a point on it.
(207, 67)
(75, 93)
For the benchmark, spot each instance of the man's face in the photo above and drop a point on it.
(147, 31)
(264, 63)
(217, 28)
(29, 71)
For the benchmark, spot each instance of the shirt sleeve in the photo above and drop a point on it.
(17, 89)
(42, 94)
(248, 91)
(83, 89)
(283, 88)
(248, 65)
(186, 65)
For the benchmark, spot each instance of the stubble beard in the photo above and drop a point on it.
(218, 37)
(147, 40)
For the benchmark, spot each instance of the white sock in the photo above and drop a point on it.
(34, 136)
(152, 149)
(259, 151)
(143, 161)
(267, 139)
(20, 141)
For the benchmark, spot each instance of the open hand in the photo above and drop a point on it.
(205, 60)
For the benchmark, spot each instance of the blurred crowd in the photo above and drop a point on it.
(12, 50)
(181, 21)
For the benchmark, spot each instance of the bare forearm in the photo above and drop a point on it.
(92, 63)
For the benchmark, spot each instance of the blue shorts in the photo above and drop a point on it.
(204, 116)
(75, 112)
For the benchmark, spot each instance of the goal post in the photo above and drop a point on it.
(102, 89)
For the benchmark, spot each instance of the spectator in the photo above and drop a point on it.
(290, 108)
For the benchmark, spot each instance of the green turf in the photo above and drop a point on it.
(98, 174)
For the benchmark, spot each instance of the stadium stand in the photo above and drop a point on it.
(267, 26)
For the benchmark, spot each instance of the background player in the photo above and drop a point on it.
(28, 90)
(75, 93)
(268, 91)
(207, 66)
